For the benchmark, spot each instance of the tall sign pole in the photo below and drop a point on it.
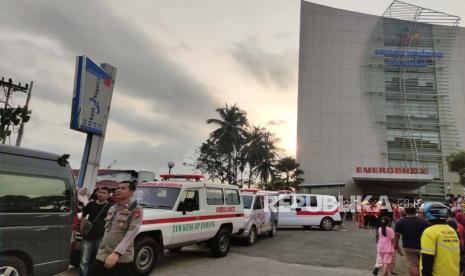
(96, 142)
(93, 91)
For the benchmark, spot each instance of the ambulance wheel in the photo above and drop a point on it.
(274, 230)
(145, 255)
(252, 237)
(220, 244)
(327, 224)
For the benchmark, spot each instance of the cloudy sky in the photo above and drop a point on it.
(177, 61)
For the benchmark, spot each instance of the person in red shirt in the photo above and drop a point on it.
(396, 213)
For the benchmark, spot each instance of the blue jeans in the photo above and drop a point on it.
(89, 250)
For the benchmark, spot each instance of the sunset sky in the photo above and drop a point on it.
(177, 61)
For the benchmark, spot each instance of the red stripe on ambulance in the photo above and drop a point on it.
(184, 219)
(317, 213)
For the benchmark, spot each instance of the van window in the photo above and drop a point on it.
(285, 201)
(247, 199)
(215, 196)
(189, 201)
(232, 197)
(33, 194)
(258, 203)
(306, 201)
(313, 201)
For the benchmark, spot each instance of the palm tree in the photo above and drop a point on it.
(267, 153)
(290, 168)
(252, 149)
(230, 135)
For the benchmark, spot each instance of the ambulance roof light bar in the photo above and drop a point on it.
(195, 177)
(250, 190)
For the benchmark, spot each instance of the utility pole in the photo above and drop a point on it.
(21, 127)
(9, 88)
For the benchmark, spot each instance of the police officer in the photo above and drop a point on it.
(116, 252)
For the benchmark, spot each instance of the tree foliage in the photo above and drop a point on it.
(456, 163)
(235, 148)
(10, 118)
(212, 162)
(229, 137)
(290, 173)
(265, 164)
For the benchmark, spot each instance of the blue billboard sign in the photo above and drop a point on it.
(91, 100)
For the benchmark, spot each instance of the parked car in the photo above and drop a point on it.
(38, 211)
(308, 210)
(260, 216)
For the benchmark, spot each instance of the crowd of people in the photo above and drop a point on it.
(429, 235)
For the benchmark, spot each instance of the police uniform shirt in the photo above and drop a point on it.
(121, 227)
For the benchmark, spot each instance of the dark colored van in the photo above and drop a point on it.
(38, 212)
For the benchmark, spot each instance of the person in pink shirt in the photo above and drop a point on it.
(386, 244)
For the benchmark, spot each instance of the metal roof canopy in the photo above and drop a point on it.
(424, 178)
(409, 181)
(405, 11)
(321, 185)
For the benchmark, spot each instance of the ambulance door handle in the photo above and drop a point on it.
(298, 209)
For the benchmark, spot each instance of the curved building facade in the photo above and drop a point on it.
(381, 101)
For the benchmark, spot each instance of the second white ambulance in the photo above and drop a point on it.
(308, 210)
(260, 216)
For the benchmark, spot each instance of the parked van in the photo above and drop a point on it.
(260, 217)
(308, 210)
(37, 212)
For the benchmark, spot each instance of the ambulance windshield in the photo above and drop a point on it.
(156, 197)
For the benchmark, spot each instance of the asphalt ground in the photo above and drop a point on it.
(294, 251)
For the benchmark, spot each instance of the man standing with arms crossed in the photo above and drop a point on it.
(116, 252)
(440, 246)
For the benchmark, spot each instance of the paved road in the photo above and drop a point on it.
(294, 251)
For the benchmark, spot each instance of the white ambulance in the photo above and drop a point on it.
(179, 213)
(260, 215)
(308, 210)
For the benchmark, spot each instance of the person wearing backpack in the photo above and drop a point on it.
(92, 228)
(116, 253)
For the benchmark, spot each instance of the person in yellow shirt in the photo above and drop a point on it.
(440, 245)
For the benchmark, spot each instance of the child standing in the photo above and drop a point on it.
(386, 244)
